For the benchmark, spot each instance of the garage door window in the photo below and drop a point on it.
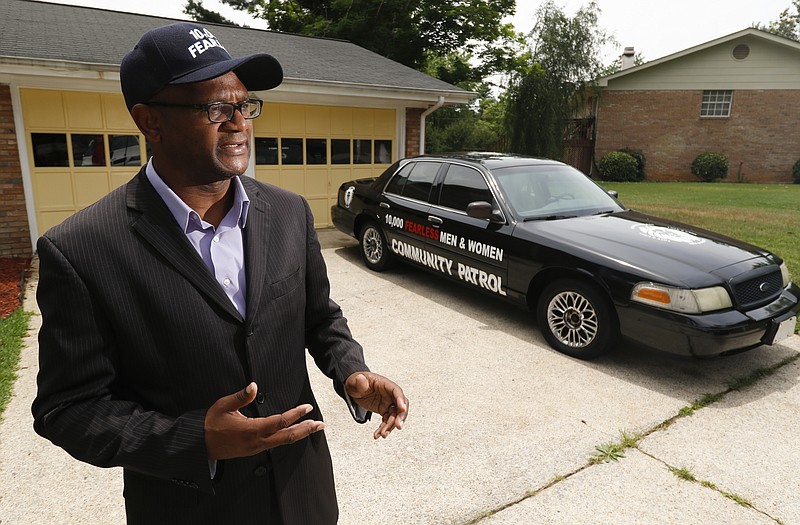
(88, 150)
(362, 151)
(340, 151)
(316, 151)
(124, 150)
(267, 151)
(49, 150)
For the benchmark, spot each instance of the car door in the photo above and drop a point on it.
(476, 249)
(404, 207)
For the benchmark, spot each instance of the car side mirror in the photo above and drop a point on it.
(484, 210)
(613, 193)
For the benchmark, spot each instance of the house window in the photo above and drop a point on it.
(716, 103)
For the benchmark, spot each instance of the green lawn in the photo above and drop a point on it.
(12, 330)
(767, 215)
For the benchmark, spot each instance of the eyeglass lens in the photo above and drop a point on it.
(223, 112)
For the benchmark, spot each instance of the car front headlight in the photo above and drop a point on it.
(785, 274)
(680, 299)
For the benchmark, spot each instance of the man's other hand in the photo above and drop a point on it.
(381, 396)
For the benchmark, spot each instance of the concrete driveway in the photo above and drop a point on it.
(502, 428)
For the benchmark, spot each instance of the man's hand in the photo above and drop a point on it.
(381, 396)
(230, 434)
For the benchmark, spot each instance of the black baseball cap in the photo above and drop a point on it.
(186, 52)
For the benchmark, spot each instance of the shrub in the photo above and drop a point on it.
(640, 161)
(796, 172)
(618, 166)
(710, 166)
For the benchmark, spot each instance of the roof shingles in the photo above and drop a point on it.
(45, 31)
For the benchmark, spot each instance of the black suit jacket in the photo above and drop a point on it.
(138, 340)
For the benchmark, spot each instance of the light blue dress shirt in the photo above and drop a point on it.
(221, 248)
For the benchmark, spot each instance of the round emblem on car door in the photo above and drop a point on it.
(348, 196)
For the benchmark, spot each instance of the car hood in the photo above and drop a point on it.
(649, 247)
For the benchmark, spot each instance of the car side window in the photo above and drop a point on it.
(398, 182)
(463, 185)
(414, 180)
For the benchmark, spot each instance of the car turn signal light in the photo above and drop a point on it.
(680, 299)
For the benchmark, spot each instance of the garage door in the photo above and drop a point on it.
(82, 145)
(312, 150)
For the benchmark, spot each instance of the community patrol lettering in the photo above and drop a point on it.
(475, 276)
(205, 40)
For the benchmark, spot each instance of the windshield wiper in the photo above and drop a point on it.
(604, 212)
(548, 218)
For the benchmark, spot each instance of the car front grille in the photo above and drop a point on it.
(757, 291)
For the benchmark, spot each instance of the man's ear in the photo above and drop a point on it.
(148, 121)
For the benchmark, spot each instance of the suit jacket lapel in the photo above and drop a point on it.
(158, 227)
(256, 240)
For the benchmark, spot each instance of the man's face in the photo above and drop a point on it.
(194, 148)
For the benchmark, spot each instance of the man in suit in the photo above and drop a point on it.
(177, 311)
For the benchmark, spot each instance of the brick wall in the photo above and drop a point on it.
(413, 116)
(760, 138)
(14, 233)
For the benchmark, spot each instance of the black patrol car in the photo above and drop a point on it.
(543, 235)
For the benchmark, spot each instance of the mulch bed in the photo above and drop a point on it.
(12, 270)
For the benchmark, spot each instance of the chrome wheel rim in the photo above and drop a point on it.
(373, 245)
(572, 319)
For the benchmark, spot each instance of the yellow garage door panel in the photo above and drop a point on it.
(47, 219)
(53, 190)
(316, 184)
(384, 121)
(42, 108)
(90, 186)
(293, 179)
(84, 110)
(342, 122)
(318, 121)
(116, 113)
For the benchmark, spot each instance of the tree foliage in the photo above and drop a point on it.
(787, 25)
(563, 61)
(197, 12)
(406, 31)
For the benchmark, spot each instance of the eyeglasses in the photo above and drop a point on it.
(221, 111)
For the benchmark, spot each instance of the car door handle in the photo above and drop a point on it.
(385, 205)
(435, 220)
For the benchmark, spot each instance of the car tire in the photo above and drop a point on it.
(374, 250)
(577, 318)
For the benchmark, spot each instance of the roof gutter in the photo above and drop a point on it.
(439, 103)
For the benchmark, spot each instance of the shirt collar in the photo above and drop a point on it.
(183, 213)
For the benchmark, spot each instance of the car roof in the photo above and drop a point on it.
(488, 159)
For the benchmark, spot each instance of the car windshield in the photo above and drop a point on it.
(541, 192)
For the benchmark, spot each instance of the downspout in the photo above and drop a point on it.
(439, 103)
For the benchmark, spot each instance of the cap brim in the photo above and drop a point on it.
(257, 72)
